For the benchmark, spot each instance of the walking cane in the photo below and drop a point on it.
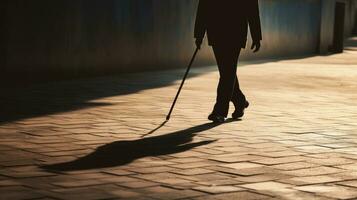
(177, 95)
(182, 83)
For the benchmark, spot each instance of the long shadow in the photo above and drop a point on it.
(124, 152)
(24, 102)
(17, 103)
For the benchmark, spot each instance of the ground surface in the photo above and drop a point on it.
(83, 139)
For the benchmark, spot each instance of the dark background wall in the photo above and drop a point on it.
(90, 36)
(68, 38)
(3, 43)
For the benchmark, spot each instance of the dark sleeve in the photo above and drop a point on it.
(201, 20)
(254, 21)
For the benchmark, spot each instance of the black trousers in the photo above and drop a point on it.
(228, 88)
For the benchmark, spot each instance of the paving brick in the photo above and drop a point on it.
(294, 166)
(92, 195)
(139, 184)
(235, 158)
(119, 172)
(283, 160)
(78, 183)
(333, 191)
(242, 165)
(194, 171)
(246, 195)
(349, 183)
(18, 192)
(346, 175)
(159, 176)
(159, 189)
(219, 182)
(332, 161)
(218, 189)
(212, 177)
(26, 174)
(4, 183)
(120, 179)
(174, 181)
(182, 194)
(307, 180)
(315, 171)
(257, 178)
(192, 165)
(149, 170)
(352, 166)
(269, 186)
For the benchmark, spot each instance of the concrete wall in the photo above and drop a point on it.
(90, 36)
(3, 40)
(328, 18)
(75, 37)
(351, 16)
(290, 28)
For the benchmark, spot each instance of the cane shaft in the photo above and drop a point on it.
(182, 84)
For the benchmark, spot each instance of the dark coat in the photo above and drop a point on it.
(226, 21)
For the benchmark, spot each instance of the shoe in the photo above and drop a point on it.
(239, 113)
(216, 118)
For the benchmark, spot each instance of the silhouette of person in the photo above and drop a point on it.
(226, 24)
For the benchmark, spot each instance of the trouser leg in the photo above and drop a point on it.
(228, 87)
(238, 98)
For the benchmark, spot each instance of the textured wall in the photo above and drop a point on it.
(327, 21)
(351, 11)
(290, 27)
(75, 37)
(93, 35)
(3, 39)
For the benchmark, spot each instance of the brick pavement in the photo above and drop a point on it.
(83, 139)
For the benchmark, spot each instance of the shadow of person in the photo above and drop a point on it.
(124, 152)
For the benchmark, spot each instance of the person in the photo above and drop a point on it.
(226, 24)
